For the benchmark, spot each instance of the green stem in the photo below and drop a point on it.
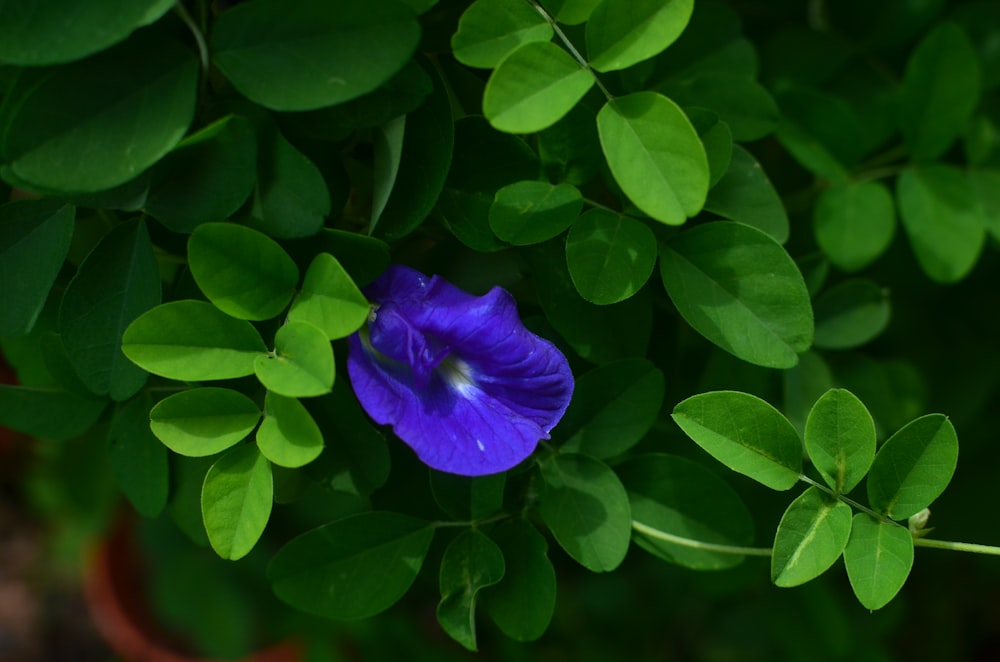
(199, 38)
(850, 502)
(699, 544)
(972, 548)
(571, 48)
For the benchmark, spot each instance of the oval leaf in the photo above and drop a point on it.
(655, 155)
(203, 421)
(913, 467)
(744, 433)
(739, 288)
(610, 256)
(139, 462)
(810, 538)
(471, 562)
(490, 29)
(850, 314)
(531, 212)
(288, 435)
(523, 602)
(192, 341)
(236, 501)
(878, 557)
(533, 88)
(621, 33)
(329, 299)
(352, 568)
(302, 363)
(854, 223)
(291, 198)
(680, 509)
(585, 506)
(840, 439)
(745, 194)
(261, 47)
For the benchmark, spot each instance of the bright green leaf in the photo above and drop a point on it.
(288, 435)
(739, 288)
(490, 29)
(243, 272)
(531, 212)
(609, 256)
(314, 53)
(34, 239)
(621, 33)
(329, 299)
(943, 220)
(878, 557)
(352, 568)
(203, 421)
(745, 194)
(523, 602)
(677, 503)
(117, 282)
(533, 87)
(913, 467)
(850, 314)
(470, 563)
(655, 155)
(613, 408)
(585, 506)
(854, 223)
(302, 363)
(744, 433)
(97, 123)
(811, 536)
(236, 501)
(192, 341)
(840, 439)
(570, 12)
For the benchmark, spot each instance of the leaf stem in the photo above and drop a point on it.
(972, 548)
(850, 502)
(699, 544)
(199, 38)
(571, 48)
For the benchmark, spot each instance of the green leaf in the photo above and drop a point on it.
(690, 505)
(913, 467)
(470, 563)
(745, 194)
(291, 198)
(352, 568)
(65, 30)
(739, 101)
(943, 220)
(803, 385)
(302, 363)
(312, 54)
(363, 258)
(850, 314)
(939, 93)
(490, 29)
(47, 413)
(533, 87)
(34, 240)
(621, 33)
(207, 177)
(468, 498)
(203, 421)
(236, 501)
(288, 435)
(570, 12)
(118, 281)
(744, 433)
(613, 408)
(986, 184)
(609, 256)
(97, 123)
(329, 299)
(717, 138)
(424, 159)
(192, 341)
(138, 460)
(810, 538)
(739, 288)
(854, 223)
(523, 602)
(531, 212)
(878, 557)
(585, 506)
(242, 271)
(840, 439)
(655, 155)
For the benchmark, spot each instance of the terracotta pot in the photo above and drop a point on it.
(114, 589)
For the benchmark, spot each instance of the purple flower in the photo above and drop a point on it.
(458, 377)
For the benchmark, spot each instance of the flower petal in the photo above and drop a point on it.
(459, 377)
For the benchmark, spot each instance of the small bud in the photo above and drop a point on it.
(919, 521)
